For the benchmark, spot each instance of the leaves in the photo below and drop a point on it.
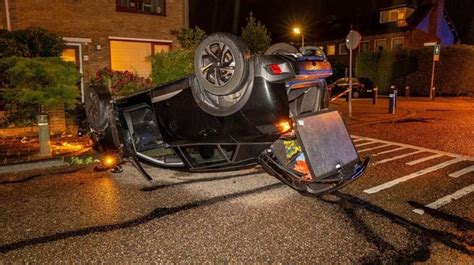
(172, 65)
(30, 42)
(189, 38)
(120, 83)
(256, 35)
(42, 81)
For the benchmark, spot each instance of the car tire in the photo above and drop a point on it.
(221, 106)
(97, 107)
(221, 64)
(281, 47)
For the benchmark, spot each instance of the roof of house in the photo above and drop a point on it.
(337, 28)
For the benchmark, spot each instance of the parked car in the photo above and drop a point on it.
(235, 111)
(361, 87)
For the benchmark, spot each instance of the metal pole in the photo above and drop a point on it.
(432, 80)
(302, 39)
(350, 83)
(44, 135)
(375, 95)
(7, 14)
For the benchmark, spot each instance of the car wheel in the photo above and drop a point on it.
(222, 105)
(97, 107)
(221, 64)
(355, 94)
(224, 74)
(281, 47)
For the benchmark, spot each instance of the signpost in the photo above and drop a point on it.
(352, 42)
(436, 53)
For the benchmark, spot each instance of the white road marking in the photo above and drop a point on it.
(389, 151)
(373, 148)
(411, 176)
(468, 158)
(364, 144)
(461, 172)
(447, 199)
(396, 157)
(357, 140)
(414, 162)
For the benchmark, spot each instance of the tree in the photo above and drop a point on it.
(189, 38)
(30, 42)
(44, 82)
(256, 35)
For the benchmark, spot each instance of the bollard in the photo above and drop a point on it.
(375, 94)
(44, 135)
(433, 93)
(407, 91)
(392, 103)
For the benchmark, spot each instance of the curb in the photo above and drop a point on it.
(408, 114)
(21, 172)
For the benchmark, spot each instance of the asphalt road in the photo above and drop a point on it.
(249, 216)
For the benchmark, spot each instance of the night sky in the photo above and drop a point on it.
(320, 19)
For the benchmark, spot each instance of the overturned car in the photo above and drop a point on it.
(235, 111)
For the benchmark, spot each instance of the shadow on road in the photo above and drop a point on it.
(198, 180)
(418, 248)
(154, 215)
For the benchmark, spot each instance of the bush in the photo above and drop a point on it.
(28, 84)
(256, 35)
(189, 38)
(453, 73)
(385, 67)
(120, 83)
(171, 65)
(31, 42)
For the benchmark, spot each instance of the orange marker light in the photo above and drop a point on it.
(283, 126)
(109, 161)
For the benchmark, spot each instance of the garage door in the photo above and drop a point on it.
(134, 56)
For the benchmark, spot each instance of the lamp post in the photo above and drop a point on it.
(298, 31)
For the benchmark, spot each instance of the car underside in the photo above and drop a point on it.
(235, 111)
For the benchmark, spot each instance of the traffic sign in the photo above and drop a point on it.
(353, 40)
(436, 52)
(437, 49)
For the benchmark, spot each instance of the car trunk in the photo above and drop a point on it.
(319, 157)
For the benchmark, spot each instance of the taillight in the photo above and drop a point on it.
(274, 69)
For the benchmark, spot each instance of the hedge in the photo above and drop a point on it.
(453, 73)
(28, 84)
(386, 66)
(171, 65)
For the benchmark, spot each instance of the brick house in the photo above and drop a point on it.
(405, 25)
(119, 34)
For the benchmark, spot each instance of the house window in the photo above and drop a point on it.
(380, 45)
(156, 7)
(394, 14)
(331, 49)
(343, 49)
(134, 56)
(364, 46)
(398, 43)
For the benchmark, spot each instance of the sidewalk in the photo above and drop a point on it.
(364, 112)
(26, 149)
(20, 159)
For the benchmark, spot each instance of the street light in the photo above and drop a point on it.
(298, 31)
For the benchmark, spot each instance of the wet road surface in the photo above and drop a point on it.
(249, 216)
